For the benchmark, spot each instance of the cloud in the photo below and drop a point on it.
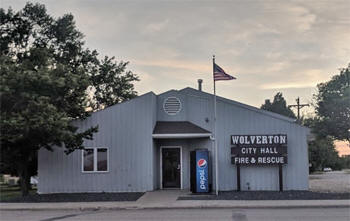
(154, 28)
(176, 64)
(283, 85)
(306, 79)
(267, 45)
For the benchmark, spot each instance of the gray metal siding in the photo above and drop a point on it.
(235, 118)
(195, 108)
(134, 157)
(126, 129)
(155, 152)
(199, 111)
(156, 163)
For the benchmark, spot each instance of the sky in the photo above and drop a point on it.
(269, 46)
(342, 147)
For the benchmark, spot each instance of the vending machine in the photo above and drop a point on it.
(199, 169)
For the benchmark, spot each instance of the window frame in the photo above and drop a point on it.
(95, 150)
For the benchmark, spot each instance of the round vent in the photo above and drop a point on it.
(172, 105)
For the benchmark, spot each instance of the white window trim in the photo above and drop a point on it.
(95, 160)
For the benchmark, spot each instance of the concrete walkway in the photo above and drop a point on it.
(168, 200)
(164, 198)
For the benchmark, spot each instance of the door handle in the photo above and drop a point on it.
(178, 166)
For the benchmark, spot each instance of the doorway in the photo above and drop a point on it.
(171, 168)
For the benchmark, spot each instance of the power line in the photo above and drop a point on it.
(298, 106)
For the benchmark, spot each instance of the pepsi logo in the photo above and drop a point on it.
(202, 163)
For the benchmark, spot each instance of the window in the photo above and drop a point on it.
(95, 159)
(89, 160)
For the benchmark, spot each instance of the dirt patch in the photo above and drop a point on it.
(332, 182)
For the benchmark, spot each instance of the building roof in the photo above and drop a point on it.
(192, 91)
(178, 129)
(236, 103)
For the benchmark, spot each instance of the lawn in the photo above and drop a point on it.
(11, 192)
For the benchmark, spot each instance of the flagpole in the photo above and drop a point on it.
(215, 141)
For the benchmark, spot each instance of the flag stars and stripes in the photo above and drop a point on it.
(220, 74)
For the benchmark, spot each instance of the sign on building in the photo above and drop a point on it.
(259, 149)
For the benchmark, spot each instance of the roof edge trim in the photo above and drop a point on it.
(246, 106)
(187, 135)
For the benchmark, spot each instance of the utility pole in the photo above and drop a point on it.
(298, 106)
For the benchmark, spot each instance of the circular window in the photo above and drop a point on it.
(172, 105)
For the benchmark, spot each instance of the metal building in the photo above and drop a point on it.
(144, 144)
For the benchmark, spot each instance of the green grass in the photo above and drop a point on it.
(11, 192)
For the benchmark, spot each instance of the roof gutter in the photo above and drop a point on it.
(179, 136)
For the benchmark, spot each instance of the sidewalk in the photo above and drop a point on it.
(167, 200)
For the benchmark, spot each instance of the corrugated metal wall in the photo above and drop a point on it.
(126, 130)
(234, 118)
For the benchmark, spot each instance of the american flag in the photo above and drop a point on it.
(220, 74)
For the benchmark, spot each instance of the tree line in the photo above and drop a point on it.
(49, 78)
(330, 122)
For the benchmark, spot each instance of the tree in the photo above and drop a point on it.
(322, 154)
(279, 105)
(345, 160)
(333, 106)
(48, 80)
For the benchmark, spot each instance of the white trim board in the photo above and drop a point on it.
(166, 136)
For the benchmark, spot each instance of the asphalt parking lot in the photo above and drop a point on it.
(335, 181)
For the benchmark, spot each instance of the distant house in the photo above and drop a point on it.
(144, 144)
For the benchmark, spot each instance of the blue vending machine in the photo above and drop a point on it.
(200, 171)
